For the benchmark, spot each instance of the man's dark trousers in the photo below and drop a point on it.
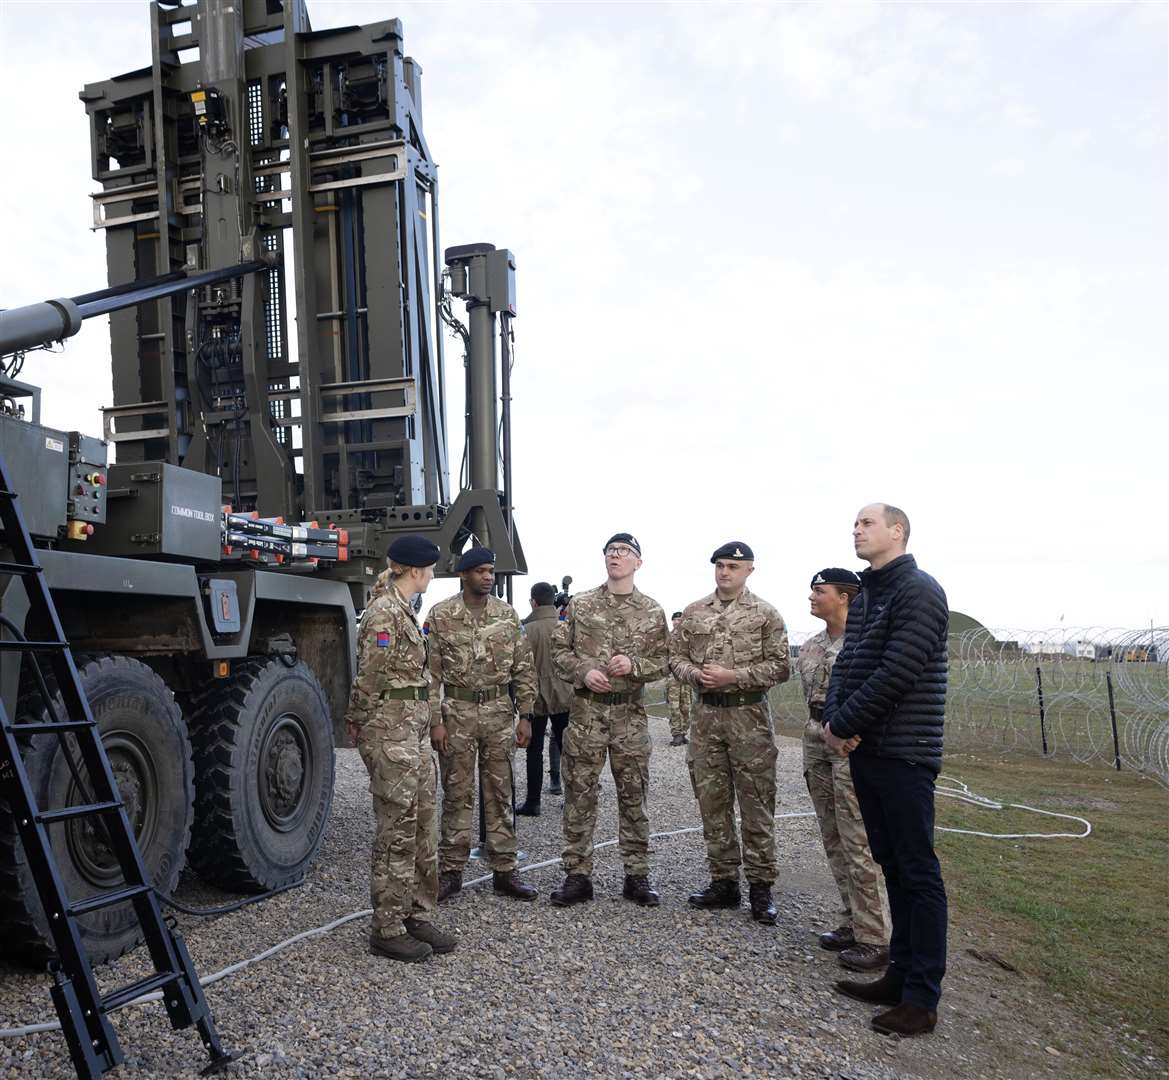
(535, 751)
(896, 801)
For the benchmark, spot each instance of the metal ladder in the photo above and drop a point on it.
(83, 1010)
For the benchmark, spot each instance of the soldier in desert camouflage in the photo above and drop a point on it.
(862, 939)
(732, 646)
(610, 644)
(389, 720)
(678, 700)
(478, 653)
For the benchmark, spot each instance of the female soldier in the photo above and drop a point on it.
(389, 719)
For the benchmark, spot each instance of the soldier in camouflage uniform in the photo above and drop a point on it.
(389, 720)
(477, 653)
(610, 644)
(732, 646)
(678, 699)
(863, 938)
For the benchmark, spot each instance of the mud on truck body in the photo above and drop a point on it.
(210, 578)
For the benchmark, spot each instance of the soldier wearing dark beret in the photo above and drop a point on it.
(478, 656)
(863, 936)
(731, 647)
(389, 719)
(611, 643)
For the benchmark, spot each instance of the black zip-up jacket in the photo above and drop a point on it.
(889, 682)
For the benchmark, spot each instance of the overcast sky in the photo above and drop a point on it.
(774, 262)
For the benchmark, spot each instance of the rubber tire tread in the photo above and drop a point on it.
(215, 853)
(23, 937)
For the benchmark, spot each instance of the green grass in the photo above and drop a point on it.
(1085, 917)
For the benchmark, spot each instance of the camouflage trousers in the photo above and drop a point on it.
(620, 732)
(484, 734)
(395, 746)
(732, 754)
(678, 699)
(858, 877)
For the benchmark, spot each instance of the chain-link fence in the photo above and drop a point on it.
(1090, 694)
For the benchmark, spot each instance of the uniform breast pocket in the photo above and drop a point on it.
(591, 635)
(699, 646)
(457, 648)
(748, 641)
(500, 644)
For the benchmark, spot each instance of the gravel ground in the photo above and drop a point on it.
(603, 989)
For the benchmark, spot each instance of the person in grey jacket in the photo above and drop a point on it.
(888, 688)
(553, 699)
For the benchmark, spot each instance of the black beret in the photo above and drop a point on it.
(676, 615)
(623, 538)
(734, 549)
(835, 575)
(413, 550)
(476, 556)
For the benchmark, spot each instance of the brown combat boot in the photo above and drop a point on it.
(906, 1020)
(449, 883)
(762, 909)
(884, 991)
(864, 957)
(438, 941)
(720, 893)
(508, 883)
(576, 889)
(840, 938)
(638, 889)
(403, 947)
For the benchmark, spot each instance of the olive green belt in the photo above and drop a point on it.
(610, 698)
(406, 693)
(479, 697)
(729, 701)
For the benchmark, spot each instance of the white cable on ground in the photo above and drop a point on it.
(962, 792)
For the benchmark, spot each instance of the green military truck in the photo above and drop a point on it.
(210, 578)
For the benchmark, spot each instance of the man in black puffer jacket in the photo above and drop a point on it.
(888, 689)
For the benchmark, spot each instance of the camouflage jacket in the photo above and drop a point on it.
(555, 695)
(391, 653)
(747, 635)
(598, 626)
(814, 665)
(480, 649)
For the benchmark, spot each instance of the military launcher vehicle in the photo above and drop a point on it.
(209, 577)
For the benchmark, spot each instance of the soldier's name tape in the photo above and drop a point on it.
(953, 789)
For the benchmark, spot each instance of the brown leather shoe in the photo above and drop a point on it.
(906, 1020)
(762, 909)
(864, 957)
(835, 940)
(438, 941)
(403, 947)
(638, 889)
(720, 893)
(508, 883)
(449, 883)
(575, 890)
(884, 991)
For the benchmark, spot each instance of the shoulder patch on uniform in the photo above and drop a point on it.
(383, 639)
(426, 627)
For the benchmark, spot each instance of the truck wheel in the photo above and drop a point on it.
(146, 742)
(263, 776)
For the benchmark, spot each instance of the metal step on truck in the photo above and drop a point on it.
(209, 579)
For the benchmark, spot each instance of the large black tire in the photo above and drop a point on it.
(263, 776)
(146, 742)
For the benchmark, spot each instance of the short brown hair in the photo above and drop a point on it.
(894, 515)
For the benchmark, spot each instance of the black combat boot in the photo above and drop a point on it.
(638, 889)
(838, 939)
(449, 883)
(762, 909)
(576, 889)
(508, 883)
(720, 893)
